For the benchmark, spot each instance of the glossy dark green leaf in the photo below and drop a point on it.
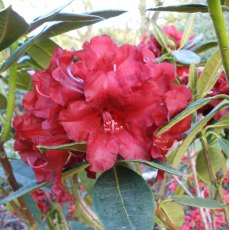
(3, 101)
(12, 26)
(205, 47)
(42, 51)
(190, 109)
(218, 162)
(76, 146)
(198, 202)
(194, 130)
(209, 75)
(158, 165)
(186, 57)
(123, 200)
(33, 185)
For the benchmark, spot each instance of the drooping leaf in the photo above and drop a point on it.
(197, 202)
(190, 109)
(205, 47)
(209, 75)
(188, 31)
(192, 79)
(158, 165)
(76, 146)
(193, 131)
(12, 26)
(107, 13)
(123, 200)
(42, 51)
(161, 37)
(185, 8)
(186, 57)
(174, 212)
(218, 163)
(33, 185)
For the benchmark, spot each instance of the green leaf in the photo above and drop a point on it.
(174, 212)
(190, 109)
(107, 13)
(123, 200)
(33, 185)
(158, 165)
(186, 8)
(194, 130)
(205, 47)
(218, 162)
(192, 79)
(186, 57)
(1, 5)
(3, 101)
(188, 31)
(24, 80)
(198, 202)
(76, 146)
(42, 51)
(34, 210)
(23, 173)
(222, 123)
(12, 26)
(161, 37)
(87, 183)
(49, 16)
(74, 225)
(209, 75)
(224, 144)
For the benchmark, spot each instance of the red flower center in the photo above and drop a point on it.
(110, 125)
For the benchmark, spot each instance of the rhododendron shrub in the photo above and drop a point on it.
(114, 136)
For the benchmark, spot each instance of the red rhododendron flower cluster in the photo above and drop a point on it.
(115, 98)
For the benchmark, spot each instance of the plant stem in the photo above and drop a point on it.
(62, 216)
(182, 186)
(217, 16)
(4, 136)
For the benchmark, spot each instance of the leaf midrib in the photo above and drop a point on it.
(121, 197)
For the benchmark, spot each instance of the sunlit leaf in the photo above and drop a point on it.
(209, 75)
(123, 200)
(205, 47)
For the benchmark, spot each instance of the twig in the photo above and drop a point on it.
(62, 216)
(182, 186)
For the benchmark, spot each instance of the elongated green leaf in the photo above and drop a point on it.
(44, 18)
(224, 144)
(107, 13)
(188, 31)
(198, 202)
(159, 165)
(123, 200)
(192, 79)
(77, 146)
(194, 130)
(222, 123)
(205, 47)
(174, 212)
(12, 26)
(161, 37)
(42, 51)
(209, 75)
(190, 109)
(33, 185)
(186, 8)
(186, 57)
(218, 163)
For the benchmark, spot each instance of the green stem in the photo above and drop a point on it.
(217, 16)
(62, 216)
